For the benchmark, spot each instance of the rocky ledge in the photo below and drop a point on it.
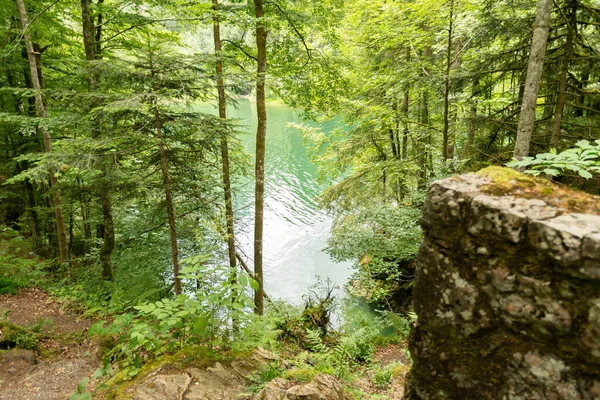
(507, 291)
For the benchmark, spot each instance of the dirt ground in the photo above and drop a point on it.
(68, 355)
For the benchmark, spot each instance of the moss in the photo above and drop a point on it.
(199, 357)
(15, 336)
(400, 371)
(122, 384)
(508, 182)
(300, 375)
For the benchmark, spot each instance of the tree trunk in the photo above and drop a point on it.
(169, 199)
(91, 39)
(109, 234)
(224, 144)
(562, 88)
(261, 132)
(85, 215)
(583, 82)
(534, 76)
(406, 131)
(88, 41)
(446, 130)
(41, 112)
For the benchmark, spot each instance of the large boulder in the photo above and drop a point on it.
(507, 291)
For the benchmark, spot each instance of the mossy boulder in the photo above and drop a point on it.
(507, 290)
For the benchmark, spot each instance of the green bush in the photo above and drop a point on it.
(582, 160)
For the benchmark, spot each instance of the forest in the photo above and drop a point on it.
(118, 184)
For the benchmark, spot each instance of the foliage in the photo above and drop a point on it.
(19, 266)
(382, 376)
(80, 393)
(259, 379)
(386, 240)
(164, 326)
(582, 160)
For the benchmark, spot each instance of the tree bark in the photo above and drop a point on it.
(535, 67)
(91, 37)
(406, 130)
(169, 199)
(109, 234)
(583, 81)
(446, 130)
(41, 113)
(261, 131)
(562, 88)
(224, 144)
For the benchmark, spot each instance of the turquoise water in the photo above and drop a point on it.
(295, 229)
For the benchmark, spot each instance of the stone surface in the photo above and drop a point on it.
(217, 382)
(275, 390)
(507, 294)
(321, 387)
(162, 387)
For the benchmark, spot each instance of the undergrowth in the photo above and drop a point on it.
(214, 317)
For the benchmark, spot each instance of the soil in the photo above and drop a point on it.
(63, 355)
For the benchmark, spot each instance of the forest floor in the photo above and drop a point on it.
(45, 352)
(53, 354)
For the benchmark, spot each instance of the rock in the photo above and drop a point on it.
(215, 383)
(18, 354)
(275, 390)
(162, 387)
(507, 293)
(322, 387)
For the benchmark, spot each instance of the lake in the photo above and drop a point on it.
(295, 230)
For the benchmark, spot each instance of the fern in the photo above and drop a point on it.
(314, 341)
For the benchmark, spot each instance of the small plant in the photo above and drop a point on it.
(582, 160)
(383, 376)
(259, 379)
(80, 393)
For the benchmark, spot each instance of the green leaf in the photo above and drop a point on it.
(553, 172)
(82, 384)
(585, 174)
(98, 373)
(253, 284)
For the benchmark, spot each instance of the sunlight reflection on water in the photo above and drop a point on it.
(295, 230)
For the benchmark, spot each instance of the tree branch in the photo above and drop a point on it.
(240, 48)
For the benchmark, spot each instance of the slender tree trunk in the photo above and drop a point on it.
(393, 143)
(471, 124)
(169, 199)
(85, 215)
(91, 39)
(88, 41)
(41, 112)
(446, 130)
(98, 34)
(109, 234)
(562, 89)
(19, 109)
(261, 132)
(224, 144)
(534, 77)
(406, 131)
(584, 80)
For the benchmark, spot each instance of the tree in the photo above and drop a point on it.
(41, 113)
(92, 36)
(259, 171)
(224, 144)
(534, 76)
